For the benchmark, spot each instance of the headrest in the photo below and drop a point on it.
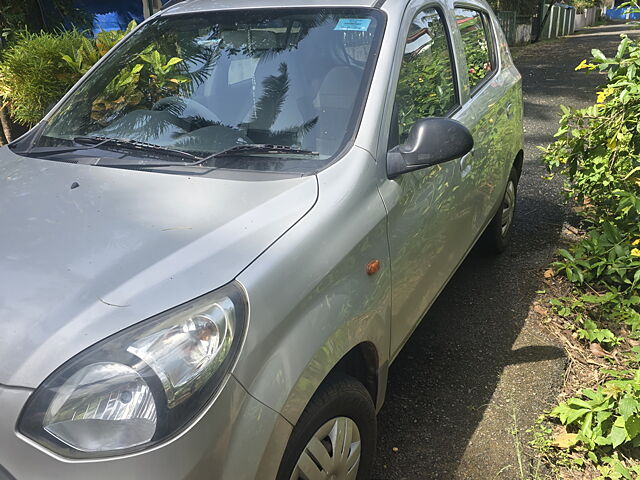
(259, 39)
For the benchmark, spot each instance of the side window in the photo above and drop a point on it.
(478, 48)
(426, 86)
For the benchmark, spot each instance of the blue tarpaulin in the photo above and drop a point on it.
(112, 14)
(621, 14)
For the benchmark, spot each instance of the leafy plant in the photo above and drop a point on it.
(582, 5)
(33, 73)
(39, 68)
(476, 50)
(604, 418)
(592, 316)
(605, 255)
(613, 469)
(425, 86)
(597, 150)
(13, 17)
(593, 334)
(150, 77)
(598, 147)
(90, 51)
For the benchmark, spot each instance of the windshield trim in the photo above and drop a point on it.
(195, 6)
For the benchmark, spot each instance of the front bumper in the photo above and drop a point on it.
(238, 438)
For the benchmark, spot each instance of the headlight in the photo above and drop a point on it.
(142, 385)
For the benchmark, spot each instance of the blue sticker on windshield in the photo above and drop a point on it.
(353, 24)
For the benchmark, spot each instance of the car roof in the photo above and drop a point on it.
(195, 6)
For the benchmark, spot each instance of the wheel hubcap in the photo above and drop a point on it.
(333, 453)
(508, 207)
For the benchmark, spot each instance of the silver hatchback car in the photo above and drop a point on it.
(215, 245)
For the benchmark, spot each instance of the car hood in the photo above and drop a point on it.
(86, 251)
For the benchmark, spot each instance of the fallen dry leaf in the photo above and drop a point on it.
(549, 273)
(569, 231)
(540, 310)
(597, 350)
(565, 440)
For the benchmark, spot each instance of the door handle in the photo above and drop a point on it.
(509, 109)
(465, 164)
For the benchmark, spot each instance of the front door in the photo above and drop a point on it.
(424, 217)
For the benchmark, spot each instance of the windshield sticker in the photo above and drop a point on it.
(353, 24)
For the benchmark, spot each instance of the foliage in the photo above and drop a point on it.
(92, 50)
(33, 74)
(582, 5)
(425, 86)
(13, 17)
(16, 15)
(151, 77)
(601, 318)
(476, 50)
(613, 469)
(39, 68)
(604, 418)
(521, 7)
(597, 149)
(605, 255)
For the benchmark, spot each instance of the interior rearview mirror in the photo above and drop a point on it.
(431, 141)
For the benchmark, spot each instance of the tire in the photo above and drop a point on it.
(340, 404)
(497, 236)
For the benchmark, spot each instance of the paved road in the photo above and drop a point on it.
(478, 366)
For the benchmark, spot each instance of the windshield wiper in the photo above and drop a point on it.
(97, 141)
(237, 150)
(251, 148)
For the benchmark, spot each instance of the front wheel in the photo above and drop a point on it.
(496, 237)
(335, 436)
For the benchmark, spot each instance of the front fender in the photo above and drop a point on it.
(310, 297)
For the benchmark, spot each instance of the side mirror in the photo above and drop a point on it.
(431, 141)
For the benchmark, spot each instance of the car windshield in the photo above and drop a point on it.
(209, 82)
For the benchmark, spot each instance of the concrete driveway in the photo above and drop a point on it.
(479, 367)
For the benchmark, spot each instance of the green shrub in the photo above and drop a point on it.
(598, 147)
(33, 74)
(582, 5)
(38, 69)
(600, 318)
(598, 151)
(606, 417)
(607, 255)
